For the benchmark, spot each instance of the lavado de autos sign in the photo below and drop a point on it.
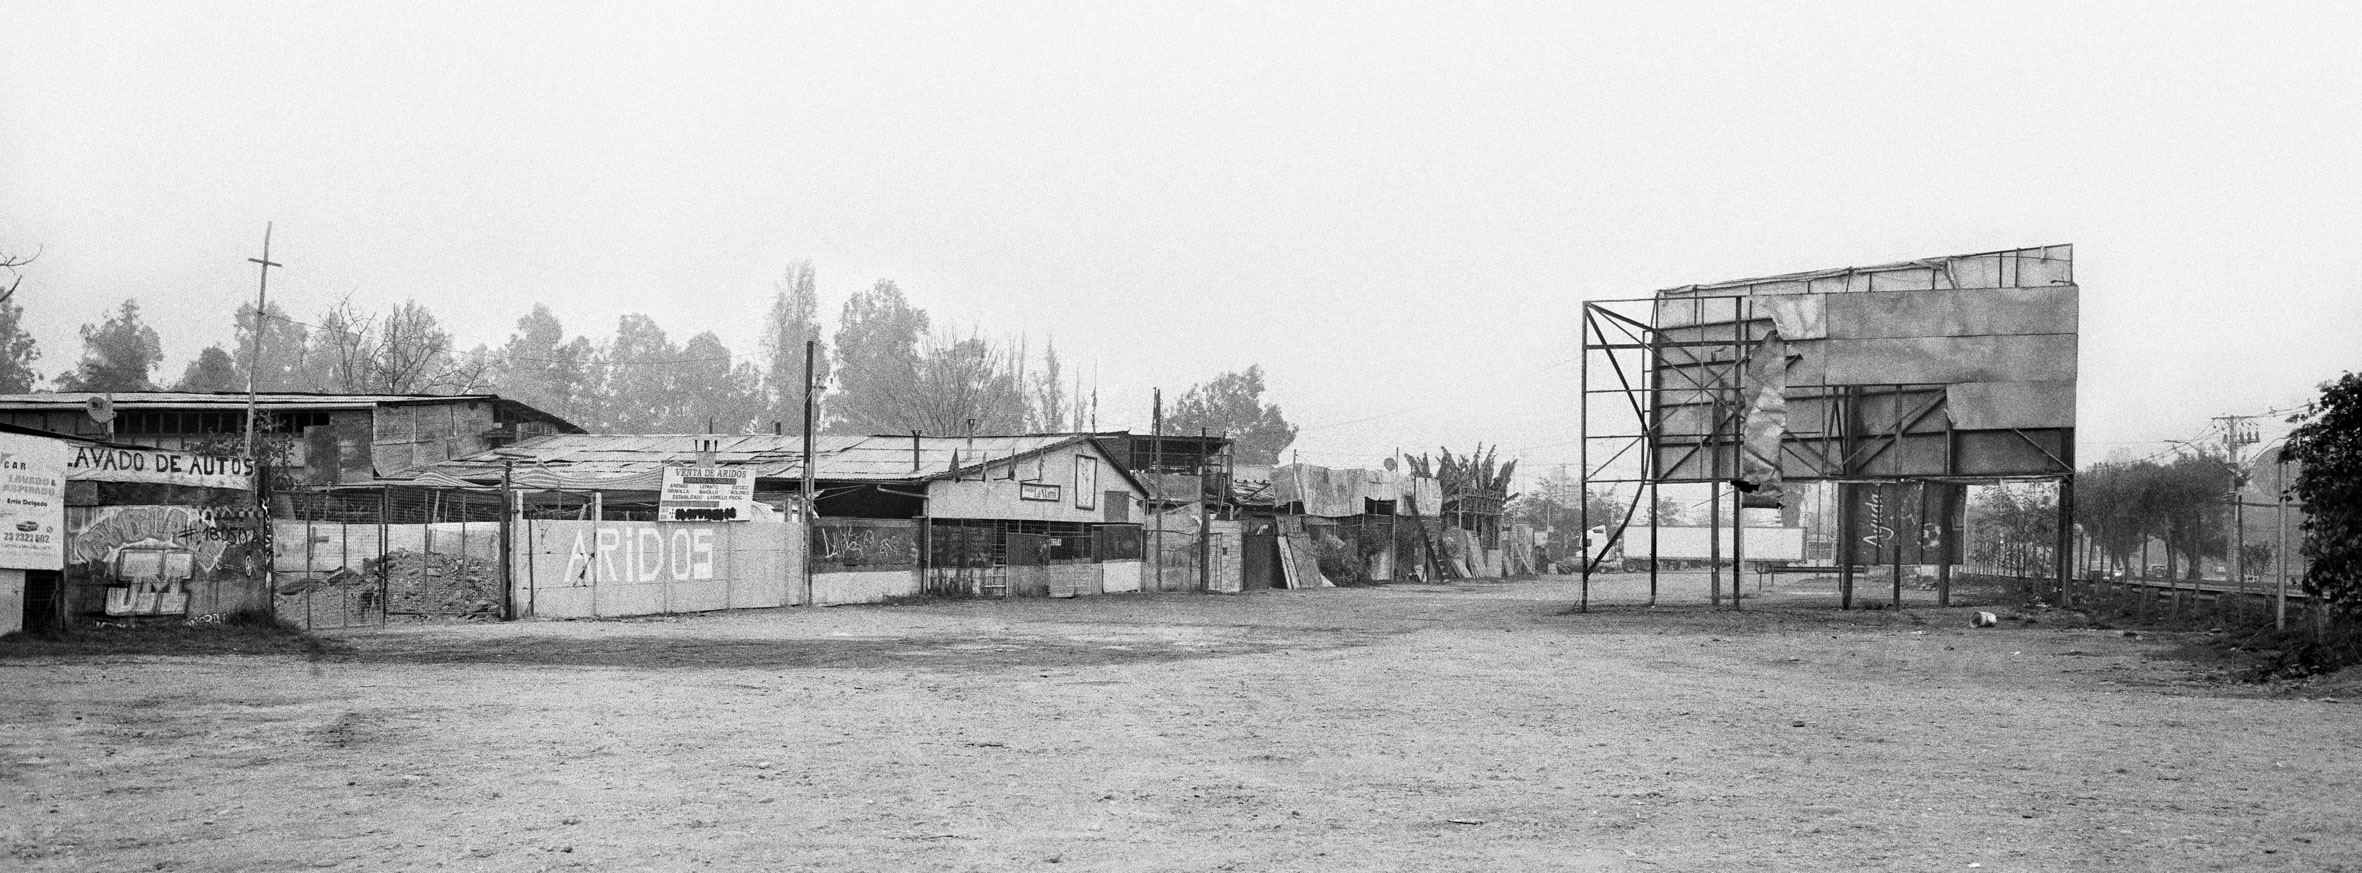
(161, 466)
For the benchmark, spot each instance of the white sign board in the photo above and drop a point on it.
(33, 502)
(159, 466)
(706, 494)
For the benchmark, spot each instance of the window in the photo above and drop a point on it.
(174, 422)
(1120, 542)
(1086, 482)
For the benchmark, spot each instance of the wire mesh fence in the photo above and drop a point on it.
(363, 557)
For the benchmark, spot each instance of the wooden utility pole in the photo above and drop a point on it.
(2280, 549)
(1714, 541)
(254, 357)
(1738, 544)
(262, 503)
(1205, 523)
(811, 499)
(2237, 434)
(1156, 452)
(508, 512)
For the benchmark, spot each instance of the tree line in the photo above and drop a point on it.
(2182, 504)
(888, 368)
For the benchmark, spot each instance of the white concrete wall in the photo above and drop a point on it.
(863, 586)
(585, 569)
(1121, 577)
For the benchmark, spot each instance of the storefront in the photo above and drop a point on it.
(158, 533)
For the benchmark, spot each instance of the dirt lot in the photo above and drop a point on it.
(1477, 727)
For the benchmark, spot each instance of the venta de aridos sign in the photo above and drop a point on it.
(706, 494)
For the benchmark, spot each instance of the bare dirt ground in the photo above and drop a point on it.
(1473, 727)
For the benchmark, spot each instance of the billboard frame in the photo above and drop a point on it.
(1641, 361)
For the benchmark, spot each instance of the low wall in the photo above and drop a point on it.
(150, 560)
(863, 586)
(585, 569)
(1121, 577)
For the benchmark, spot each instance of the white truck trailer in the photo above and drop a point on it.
(1677, 545)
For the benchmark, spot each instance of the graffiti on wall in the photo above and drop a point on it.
(865, 546)
(149, 555)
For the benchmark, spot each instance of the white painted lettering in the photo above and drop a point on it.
(609, 540)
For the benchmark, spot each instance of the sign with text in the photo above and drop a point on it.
(1904, 522)
(706, 494)
(159, 467)
(1037, 491)
(1086, 483)
(33, 502)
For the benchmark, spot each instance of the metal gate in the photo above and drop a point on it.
(354, 558)
(963, 561)
(1029, 565)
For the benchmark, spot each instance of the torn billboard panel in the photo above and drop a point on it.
(1958, 366)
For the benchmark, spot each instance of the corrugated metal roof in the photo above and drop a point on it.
(284, 400)
(621, 458)
(236, 402)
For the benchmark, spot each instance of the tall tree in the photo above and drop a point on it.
(641, 379)
(212, 371)
(1552, 503)
(338, 351)
(404, 351)
(877, 346)
(713, 395)
(2014, 527)
(281, 358)
(541, 368)
(117, 354)
(2187, 498)
(963, 386)
(1050, 407)
(17, 349)
(415, 355)
(1232, 404)
(2327, 447)
(793, 319)
(2112, 505)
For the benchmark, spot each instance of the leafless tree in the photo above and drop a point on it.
(10, 262)
(961, 386)
(404, 351)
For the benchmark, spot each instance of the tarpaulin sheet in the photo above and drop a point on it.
(1343, 492)
(1764, 386)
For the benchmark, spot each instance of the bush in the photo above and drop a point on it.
(1339, 563)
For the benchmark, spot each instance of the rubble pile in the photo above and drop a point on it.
(436, 583)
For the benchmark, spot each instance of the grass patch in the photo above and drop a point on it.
(239, 633)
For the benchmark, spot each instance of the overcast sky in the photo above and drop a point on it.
(1394, 209)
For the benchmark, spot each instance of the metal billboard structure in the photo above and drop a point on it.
(1902, 383)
